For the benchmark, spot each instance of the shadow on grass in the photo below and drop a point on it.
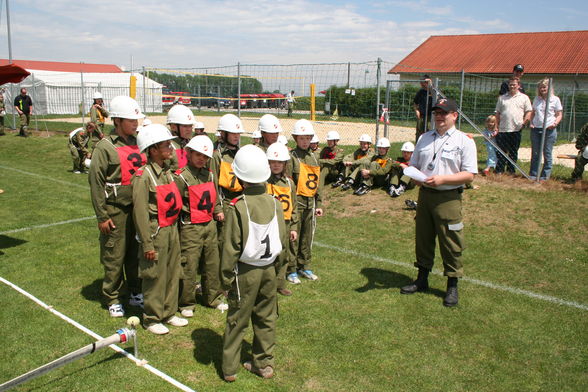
(384, 279)
(9, 242)
(209, 348)
(93, 291)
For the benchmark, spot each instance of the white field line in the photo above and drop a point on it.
(45, 177)
(116, 348)
(48, 225)
(478, 282)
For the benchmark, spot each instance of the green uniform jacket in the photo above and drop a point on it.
(105, 169)
(81, 142)
(177, 144)
(145, 201)
(331, 157)
(377, 170)
(369, 154)
(261, 207)
(96, 119)
(293, 166)
(194, 176)
(223, 153)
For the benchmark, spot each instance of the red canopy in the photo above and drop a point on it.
(12, 73)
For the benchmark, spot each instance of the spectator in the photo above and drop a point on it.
(290, 101)
(24, 106)
(489, 133)
(517, 71)
(423, 102)
(513, 112)
(582, 158)
(78, 147)
(554, 116)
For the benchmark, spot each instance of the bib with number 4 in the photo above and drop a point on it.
(263, 243)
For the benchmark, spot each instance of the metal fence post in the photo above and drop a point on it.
(239, 89)
(144, 92)
(378, 98)
(83, 97)
(461, 98)
(35, 95)
(387, 100)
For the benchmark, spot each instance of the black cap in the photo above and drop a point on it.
(447, 105)
(518, 67)
(426, 76)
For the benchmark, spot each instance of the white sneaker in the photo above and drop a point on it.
(308, 274)
(116, 310)
(293, 278)
(158, 329)
(177, 321)
(77, 172)
(187, 313)
(222, 307)
(136, 300)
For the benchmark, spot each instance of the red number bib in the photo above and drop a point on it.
(182, 157)
(202, 201)
(130, 161)
(169, 204)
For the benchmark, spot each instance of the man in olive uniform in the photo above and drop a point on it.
(180, 121)
(331, 160)
(114, 160)
(352, 162)
(447, 157)
(305, 168)
(254, 236)
(198, 234)
(270, 129)
(24, 106)
(582, 158)
(98, 115)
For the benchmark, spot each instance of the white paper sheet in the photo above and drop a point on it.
(415, 174)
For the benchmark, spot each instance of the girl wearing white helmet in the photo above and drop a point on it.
(399, 183)
(254, 236)
(180, 121)
(270, 128)
(376, 171)
(305, 169)
(331, 160)
(157, 205)
(115, 159)
(230, 127)
(98, 115)
(363, 155)
(78, 146)
(198, 234)
(283, 188)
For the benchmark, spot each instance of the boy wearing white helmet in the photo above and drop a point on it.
(363, 154)
(305, 168)
(375, 172)
(282, 187)
(98, 115)
(256, 138)
(314, 143)
(254, 236)
(157, 205)
(270, 128)
(198, 234)
(399, 183)
(115, 159)
(78, 146)
(231, 128)
(180, 121)
(199, 128)
(218, 140)
(331, 160)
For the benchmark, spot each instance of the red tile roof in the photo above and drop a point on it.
(559, 52)
(64, 67)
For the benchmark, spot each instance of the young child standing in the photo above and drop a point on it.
(157, 205)
(283, 188)
(488, 133)
(305, 169)
(254, 236)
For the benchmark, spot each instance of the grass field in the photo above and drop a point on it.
(521, 324)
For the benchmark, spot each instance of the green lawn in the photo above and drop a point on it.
(351, 330)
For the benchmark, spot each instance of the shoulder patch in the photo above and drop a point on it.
(179, 171)
(235, 200)
(139, 173)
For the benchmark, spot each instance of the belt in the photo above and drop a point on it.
(426, 189)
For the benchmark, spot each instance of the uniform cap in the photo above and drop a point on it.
(446, 104)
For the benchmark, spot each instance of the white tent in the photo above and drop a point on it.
(62, 93)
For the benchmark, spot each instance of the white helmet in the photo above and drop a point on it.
(365, 138)
(230, 123)
(251, 165)
(202, 144)
(269, 123)
(87, 162)
(333, 135)
(283, 139)
(256, 134)
(383, 143)
(408, 147)
(180, 114)
(278, 152)
(147, 122)
(97, 95)
(303, 128)
(217, 133)
(198, 125)
(125, 107)
(153, 134)
(314, 139)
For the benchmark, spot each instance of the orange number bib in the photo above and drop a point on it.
(283, 194)
(227, 178)
(308, 180)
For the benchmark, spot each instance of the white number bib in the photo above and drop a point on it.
(263, 243)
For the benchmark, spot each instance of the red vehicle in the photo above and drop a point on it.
(169, 97)
(251, 101)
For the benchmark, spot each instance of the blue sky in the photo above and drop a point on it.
(213, 33)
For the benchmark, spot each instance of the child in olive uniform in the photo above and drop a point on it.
(399, 183)
(582, 157)
(157, 205)
(198, 234)
(284, 189)
(305, 169)
(254, 236)
(269, 129)
(78, 147)
(115, 159)
(98, 115)
(352, 162)
(180, 121)
(331, 160)
(376, 171)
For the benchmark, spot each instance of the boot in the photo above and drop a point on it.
(451, 297)
(338, 182)
(420, 284)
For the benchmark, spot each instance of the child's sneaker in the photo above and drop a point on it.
(308, 274)
(392, 190)
(136, 300)
(411, 204)
(158, 329)
(187, 313)
(348, 184)
(399, 190)
(116, 310)
(266, 372)
(177, 321)
(338, 182)
(293, 278)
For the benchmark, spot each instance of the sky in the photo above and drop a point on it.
(200, 33)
